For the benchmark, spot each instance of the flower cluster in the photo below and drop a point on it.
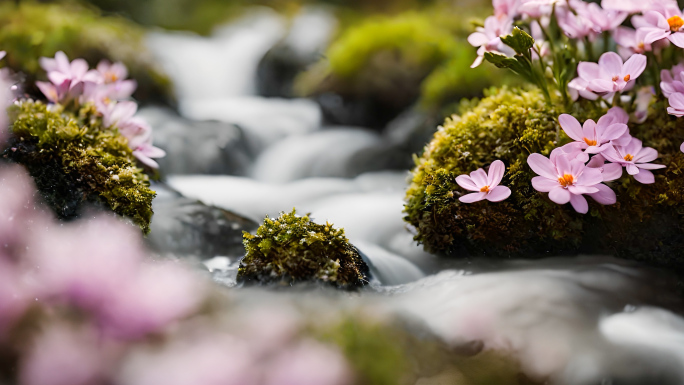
(554, 45)
(73, 83)
(91, 308)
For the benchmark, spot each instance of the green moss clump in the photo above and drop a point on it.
(74, 160)
(30, 30)
(294, 249)
(647, 223)
(397, 60)
(396, 353)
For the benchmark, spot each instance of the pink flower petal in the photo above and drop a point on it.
(498, 194)
(564, 165)
(611, 172)
(467, 183)
(646, 155)
(496, 173)
(542, 166)
(590, 177)
(471, 198)
(560, 195)
(614, 131)
(677, 39)
(682, 147)
(571, 127)
(543, 184)
(605, 196)
(579, 203)
(478, 39)
(588, 71)
(634, 66)
(610, 64)
(479, 176)
(645, 177)
(632, 169)
(650, 166)
(579, 190)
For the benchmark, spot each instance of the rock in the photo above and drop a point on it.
(197, 147)
(293, 249)
(308, 37)
(187, 227)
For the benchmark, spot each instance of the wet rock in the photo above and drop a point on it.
(197, 147)
(187, 227)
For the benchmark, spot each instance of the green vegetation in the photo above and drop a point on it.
(647, 223)
(397, 60)
(31, 30)
(75, 161)
(294, 249)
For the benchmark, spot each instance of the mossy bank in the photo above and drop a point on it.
(76, 162)
(293, 249)
(646, 224)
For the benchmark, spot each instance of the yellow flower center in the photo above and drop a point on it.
(566, 180)
(641, 47)
(484, 189)
(675, 23)
(629, 157)
(111, 77)
(590, 142)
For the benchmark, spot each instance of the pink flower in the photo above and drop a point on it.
(14, 298)
(144, 150)
(676, 104)
(53, 93)
(631, 41)
(112, 73)
(682, 147)
(645, 96)
(507, 8)
(575, 25)
(488, 39)
(604, 20)
(85, 265)
(197, 358)
(672, 81)
(486, 185)
(159, 294)
(658, 26)
(64, 356)
(565, 179)
(610, 74)
(594, 137)
(635, 159)
(73, 74)
(609, 171)
(635, 6)
(580, 87)
(539, 8)
(309, 363)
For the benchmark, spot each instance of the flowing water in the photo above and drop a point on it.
(573, 320)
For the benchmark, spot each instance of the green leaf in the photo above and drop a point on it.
(519, 40)
(501, 61)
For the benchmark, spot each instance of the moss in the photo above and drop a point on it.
(31, 30)
(397, 60)
(74, 161)
(294, 249)
(647, 223)
(396, 353)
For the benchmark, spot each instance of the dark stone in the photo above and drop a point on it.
(197, 147)
(187, 227)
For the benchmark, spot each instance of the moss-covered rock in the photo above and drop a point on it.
(388, 63)
(75, 161)
(293, 249)
(647, 223)
(30, 30)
